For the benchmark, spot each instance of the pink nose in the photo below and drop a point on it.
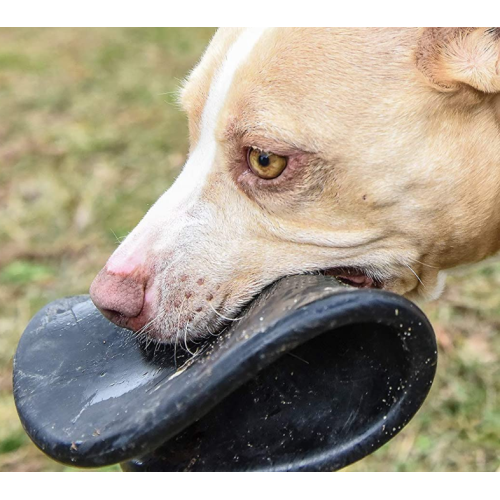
(119, 297)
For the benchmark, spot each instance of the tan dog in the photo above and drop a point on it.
(369, 154)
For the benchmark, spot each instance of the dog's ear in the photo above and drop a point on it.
(453, 57)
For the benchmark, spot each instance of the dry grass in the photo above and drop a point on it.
(89, 138)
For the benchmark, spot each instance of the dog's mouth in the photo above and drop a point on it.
(357, 278)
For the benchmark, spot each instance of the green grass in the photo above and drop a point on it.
(90, 136)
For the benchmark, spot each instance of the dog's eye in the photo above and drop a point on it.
(266, 165)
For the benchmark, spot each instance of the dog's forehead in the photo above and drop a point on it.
(298, 80)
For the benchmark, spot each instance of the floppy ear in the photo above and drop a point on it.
(452, 57)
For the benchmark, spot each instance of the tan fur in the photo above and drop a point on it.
(451, 57)
(393, 142)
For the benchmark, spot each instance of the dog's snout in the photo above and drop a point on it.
(120, 297)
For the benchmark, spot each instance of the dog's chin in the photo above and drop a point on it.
(186, 337)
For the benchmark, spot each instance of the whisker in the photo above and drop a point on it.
(178, 331)
(185, 340)
(211, 333)
(222, 316)
(424, 264)
(145, 327)
(175, 351)
(416, 275)
(118, 240)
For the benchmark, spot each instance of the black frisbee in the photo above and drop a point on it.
(315, 376)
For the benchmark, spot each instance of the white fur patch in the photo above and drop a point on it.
(222, 81)
(188, 185)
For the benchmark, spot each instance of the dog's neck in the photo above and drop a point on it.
(472, 226)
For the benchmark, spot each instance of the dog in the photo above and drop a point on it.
(372, 155)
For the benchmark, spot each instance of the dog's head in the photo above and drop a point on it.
(368, 154)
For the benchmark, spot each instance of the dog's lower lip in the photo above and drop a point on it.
(353, 277)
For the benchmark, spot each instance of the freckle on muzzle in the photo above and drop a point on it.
(315, 376)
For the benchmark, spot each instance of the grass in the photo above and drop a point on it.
(90, 136)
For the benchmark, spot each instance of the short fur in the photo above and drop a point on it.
(393, 145)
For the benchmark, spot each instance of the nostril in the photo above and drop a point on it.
(117, 294)
(113, 316)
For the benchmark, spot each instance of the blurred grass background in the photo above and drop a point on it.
(90, 136)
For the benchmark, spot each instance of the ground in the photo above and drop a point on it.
(90, 136)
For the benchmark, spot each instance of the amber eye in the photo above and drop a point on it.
(266, 165)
